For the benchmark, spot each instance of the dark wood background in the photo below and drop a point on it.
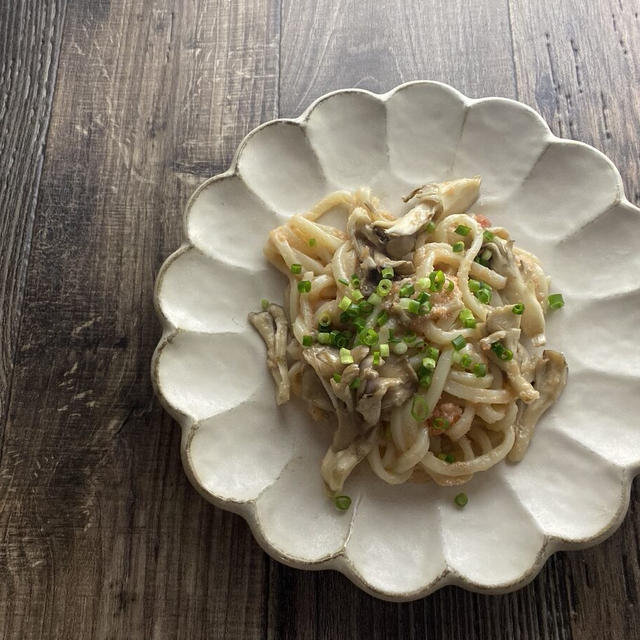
(111, 112)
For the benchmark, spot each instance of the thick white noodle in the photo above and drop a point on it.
(480, 463)
(490, 396)
(460, 428)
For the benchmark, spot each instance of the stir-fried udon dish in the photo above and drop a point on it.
(420, 337)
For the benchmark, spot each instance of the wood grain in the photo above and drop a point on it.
(100, 534)
(30, 36)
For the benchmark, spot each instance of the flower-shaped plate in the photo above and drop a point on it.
(560, 199)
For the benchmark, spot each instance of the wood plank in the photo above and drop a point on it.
(102, 535)
(30, 36)
(378, 44)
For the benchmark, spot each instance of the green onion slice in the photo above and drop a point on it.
(296, 268)
(419, 408)
(344, 304)
(463, 230)
(461, 499)
(342, 502)
(556, 301)
(457, 247)
(345, 356)
(458, 342)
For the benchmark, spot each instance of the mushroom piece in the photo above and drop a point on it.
(338, 464)
(503, 261)
(504, 325)
(433, 201)
(273, 327)
(394, 383)
(550, 380)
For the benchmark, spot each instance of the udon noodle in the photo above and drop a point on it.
(419, 336)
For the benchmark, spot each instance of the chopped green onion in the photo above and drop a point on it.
(374, 299)
(484, 295)
(264, 303)
(341, 339)
(429, 363)
(369, 337)
(355, 383)
(456, 357)
(437, 280)
(458, 342)
(343, 281)
(466, 360)
(345, 356)
(382, 318)
(324, 337)
(423, 283)
(337, 377)
(422, 297)
(419, 408)
(441, 423)
(518, 309)
(433, 352)
(359, 323)
(307, 341)
(364, 307)
(354, 310)
(304, 286)
(355, 281)
(425, 380)
(400, 348)
(556, 301)
(486, 256)
(463, 230)
(409, 337)
(384, 350)
(480, 370)
(466, 318)
(384, 287)
(446, 457)
(474, 285)
(457, 247)
(344, 304)
(342, 502)
(431, 227)
(450, 285)
(501, 351)
(404, 303)
(296, 268)
(312, 242)
(387, 272)
(406, 291)
(461, 499)
(414, 306)
(357, 295)
(488, 235)
(376, 358)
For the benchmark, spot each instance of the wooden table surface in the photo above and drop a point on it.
(111, 113)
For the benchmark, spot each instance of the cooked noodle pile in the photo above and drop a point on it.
(419, 336)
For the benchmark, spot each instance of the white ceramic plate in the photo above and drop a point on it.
(561, 199)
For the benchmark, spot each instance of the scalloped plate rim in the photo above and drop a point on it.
(246, 509)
